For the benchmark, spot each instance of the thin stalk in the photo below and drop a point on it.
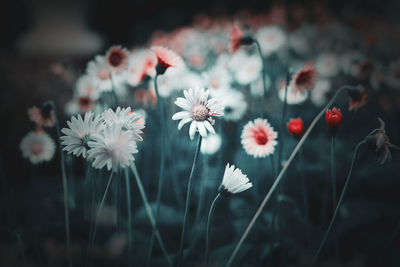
(282, 123)
(210, 215)
(281, 174)
(129, 208)
(262, 75)
(346, 184)
(65, 185)
(187, 205)
(150, 213)
(161, 108)
(333, 180)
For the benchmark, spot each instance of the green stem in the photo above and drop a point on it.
(65, 185)
(333, 180)
(339, 202)
(210, 215)
(161, 108)
(262, 75)
(149, 212)
(280, 176)
(187, 205)
(129, 208)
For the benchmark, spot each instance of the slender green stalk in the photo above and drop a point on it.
(65, 185)
(161, 109)
(282, 123)
(346, 184)
(187, 205)
(280, 176)
(150, 213)
(333, 180)
(129, 208)
(262, 75)
(210, 215)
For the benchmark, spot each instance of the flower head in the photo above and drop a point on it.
(271, 38)
(211, 144)
(114, 148)
(358, 97)
(304, 79)
(38, 147)
(128, 120)
(295, 127)
(80, 132)
(259, 138)
(166, 58)
(333, 117)
(233, 102)
(379, 139)
(100, 71)
(43, 117)
(199, 110)
(233, 182)
(117, 58)
(238, 38)
(141, 66)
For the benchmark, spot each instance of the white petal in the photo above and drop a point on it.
(183, 122)
(192, 129)
(202, 129)
(180, 115)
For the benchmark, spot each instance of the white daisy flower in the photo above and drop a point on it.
(271, 39)
(233, 182)
(114, 148)
(80, 132)
(211, 144)
(128, 120)
(327, 65)
(293, 97)
(198, 110)
(249, 70)
(233, 102)
(99, 70)
(37, 147)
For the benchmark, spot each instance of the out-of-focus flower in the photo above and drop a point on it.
(379, 139)
(271, 38)
(85, 104)
(393, 75)
(211, 144)
(43, 117)
(114, 148)
(141, 64)
(100, 72)
(80, 132)
(293, 97)
(259, 138)
(117, 59)
(350, 62)
(333, 117)
(86, 87)
(128, 120)
(245, 68)
(358, 97)
(218, 76)
(295, 127)
(38, 147)
(238, 38)
(327, 65)
(199, 110)
(233, 182)
(304, 79)
(320, 92)
(166, 58)
(233, 102)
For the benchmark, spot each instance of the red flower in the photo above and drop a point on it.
(166, 58)
(333, 117)
(358, 98)
(304, 79)
(295, 127)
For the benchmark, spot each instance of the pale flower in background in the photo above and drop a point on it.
(99, 70)
(271, 38)
(233, 101)
(319, 95)
(211, 144)
(327, 65)
(38, 147)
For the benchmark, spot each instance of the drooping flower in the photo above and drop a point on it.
(295, 127)
(358, 97)
(304, 80)
(128, 120)
(38, 147)
(259, 138)
(80, 132)
(114, 148)
(43, 117)
(199, 110)
(117, 59)
(233, 182)
(237, 38)
(233, 102)
(211, 144)
(333, 117)
(379, 139)
(166, 58)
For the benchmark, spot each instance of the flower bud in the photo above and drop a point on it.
(295, 127)
(333, 117)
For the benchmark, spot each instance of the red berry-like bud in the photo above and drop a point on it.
(295, 127)
(333, 117)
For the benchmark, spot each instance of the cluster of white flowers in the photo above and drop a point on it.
(109, 139)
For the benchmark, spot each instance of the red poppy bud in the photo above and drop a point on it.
(333, 117)
(295, 127)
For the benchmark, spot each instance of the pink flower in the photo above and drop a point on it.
(235, 38)
(259, 138)
(333, 117)
(166, 58)
(304, 79)
(117, 58)
(42, 117)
